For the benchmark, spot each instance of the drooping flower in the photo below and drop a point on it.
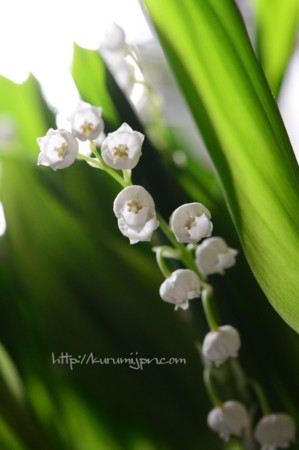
(122, 149)
(229, 419)
(182, 285)
(135, 211)
(86, 121)
(214, 256)
(191, 222)
(114, 38)
(58, 149)
(275, 431)
(221, 344)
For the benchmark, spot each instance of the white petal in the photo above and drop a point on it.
(191, 222)
(214, 256)
(183, 285)
(86, 121)
(221, 344)
(275, 431)
(122, 148)
(58, 148)
(229, 419)
(135, 210)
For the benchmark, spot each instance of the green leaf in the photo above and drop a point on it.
(277, 27)
(89, 74)
(10, 376)
(211, 56)
(23, 104)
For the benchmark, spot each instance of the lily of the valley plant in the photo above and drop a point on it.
(203, 256)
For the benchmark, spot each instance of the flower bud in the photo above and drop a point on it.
(114, 38)
(135, 211)
(182, 285)
(58, 149)
(221, 344)
(229, 419)
(275, 431)
(86, 122)
(122, 149)
(214, 256)
(191, 222)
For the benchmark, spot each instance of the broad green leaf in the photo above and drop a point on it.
(211, 56)
(277, 28)
(24, 106)
(89, 74)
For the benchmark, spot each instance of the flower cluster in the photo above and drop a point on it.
(121, 150)
(202, 256)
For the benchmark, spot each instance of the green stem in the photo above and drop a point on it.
(261, 396)
(213, 394)
(127, 174)
(91, 160)
(206, 296)
(161, 262)
(109, 170)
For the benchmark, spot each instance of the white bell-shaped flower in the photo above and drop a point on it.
(122, 149)
(275, 431)
(114, 38)
(191, 222)
(135, 211)
(86, 122)
(229, 419)
(221, 344)
(58, 149)
(182, 285)
(214, 256)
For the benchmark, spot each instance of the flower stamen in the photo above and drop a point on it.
(134, 206)
(62, 150)
(87, 128)
(120, 151)
(190, 223)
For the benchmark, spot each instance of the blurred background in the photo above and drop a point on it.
(70, 282)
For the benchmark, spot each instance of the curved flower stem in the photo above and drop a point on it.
(161, 262)
(122, 181)
(206, 296)
(213, 394)
(90, 160)
(261, 396)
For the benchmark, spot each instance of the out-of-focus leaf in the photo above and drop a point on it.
(8, 439)
(9, 375)
(277, 28)
(89, 74)
(212, 58)
(23, 105)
